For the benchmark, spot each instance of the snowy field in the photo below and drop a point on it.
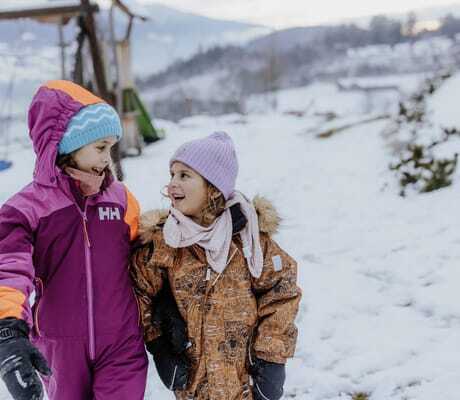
(380, 313)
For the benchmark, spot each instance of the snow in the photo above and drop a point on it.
(380, 311)
(325, 97)
(424, 55)
(444, 104)
(199, 87)
(407, 83)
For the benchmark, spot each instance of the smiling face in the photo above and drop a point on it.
(94, 157)
(188, 191)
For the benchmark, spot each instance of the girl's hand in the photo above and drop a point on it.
(172, 368)
(268, 379)
(20, 361)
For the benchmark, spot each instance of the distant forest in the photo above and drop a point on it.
(333, 41)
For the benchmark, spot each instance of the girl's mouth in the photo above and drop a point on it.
(177, 198)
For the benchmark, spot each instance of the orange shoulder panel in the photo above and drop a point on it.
(11, 302)
(75, 91)
(132, 214)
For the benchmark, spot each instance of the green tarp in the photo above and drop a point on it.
(132, 103)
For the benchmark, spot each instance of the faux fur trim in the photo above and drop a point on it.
(150, 222)
(269, 219)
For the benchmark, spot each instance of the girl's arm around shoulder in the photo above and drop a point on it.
(278, 298)
(149, 260)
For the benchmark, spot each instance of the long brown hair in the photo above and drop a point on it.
(215, 205)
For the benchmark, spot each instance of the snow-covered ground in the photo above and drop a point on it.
(380, 312)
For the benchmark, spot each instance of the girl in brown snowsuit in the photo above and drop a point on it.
(218, 296)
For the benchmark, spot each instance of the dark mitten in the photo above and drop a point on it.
(172, 368)
(166, 315)
(268, 379)
(20, 361)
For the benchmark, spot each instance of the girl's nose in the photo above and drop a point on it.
(169, 189)
(172, 184)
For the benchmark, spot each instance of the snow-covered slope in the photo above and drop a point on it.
(379, 273)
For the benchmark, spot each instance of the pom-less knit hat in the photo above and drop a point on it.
(90, 124)
(214, 158)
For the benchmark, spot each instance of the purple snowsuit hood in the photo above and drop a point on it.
(49, 114)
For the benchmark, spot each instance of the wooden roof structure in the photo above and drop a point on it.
(59, 14)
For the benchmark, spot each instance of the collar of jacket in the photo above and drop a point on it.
(69, 187)
(269, 220)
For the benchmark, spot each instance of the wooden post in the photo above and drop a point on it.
(62, 45)
(99, 72)
(77, 75)
(98, 65)
(119, 105)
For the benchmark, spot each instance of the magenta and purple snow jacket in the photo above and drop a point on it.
(76, 258)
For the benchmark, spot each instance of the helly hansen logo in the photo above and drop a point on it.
(109, 213)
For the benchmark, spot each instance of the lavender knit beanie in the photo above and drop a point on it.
(214, 158)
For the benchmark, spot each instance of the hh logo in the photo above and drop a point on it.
(109, 213)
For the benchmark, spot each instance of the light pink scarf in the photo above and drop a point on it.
(89, 184)
(181, 231)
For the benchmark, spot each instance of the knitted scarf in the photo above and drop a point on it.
(181, 231)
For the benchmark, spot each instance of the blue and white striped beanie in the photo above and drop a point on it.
(90, 124)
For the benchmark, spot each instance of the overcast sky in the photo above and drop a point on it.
(285, 13)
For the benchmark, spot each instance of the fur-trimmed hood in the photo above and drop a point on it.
(269, 219)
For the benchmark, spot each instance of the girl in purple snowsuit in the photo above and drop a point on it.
(67, 236)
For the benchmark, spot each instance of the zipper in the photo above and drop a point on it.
(207, 279)
(88, 269)
(85, 230)
(209, 286)
(89, 285)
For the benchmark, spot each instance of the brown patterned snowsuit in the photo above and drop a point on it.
(227, 314)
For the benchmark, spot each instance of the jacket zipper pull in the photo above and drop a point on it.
(85, 219)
